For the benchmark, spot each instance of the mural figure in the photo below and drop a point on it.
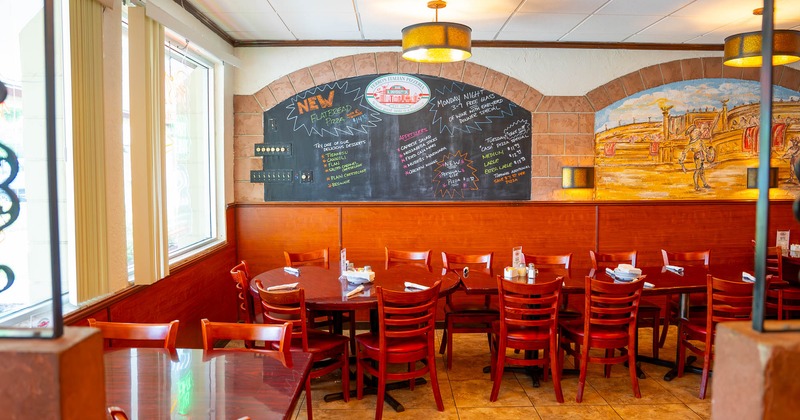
(792, 153)
(700, 154)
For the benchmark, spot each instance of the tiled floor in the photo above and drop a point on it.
(465, 390)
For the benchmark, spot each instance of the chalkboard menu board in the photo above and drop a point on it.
(395, 137)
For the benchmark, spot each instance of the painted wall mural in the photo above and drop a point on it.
(693, 140)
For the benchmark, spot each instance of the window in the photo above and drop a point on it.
(25, 301)
(189, 159)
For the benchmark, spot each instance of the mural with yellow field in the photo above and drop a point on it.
(693, 140)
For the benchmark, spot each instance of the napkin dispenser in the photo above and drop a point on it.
(359, 277)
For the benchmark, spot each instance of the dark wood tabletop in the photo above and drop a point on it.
(151, 384)
(665, 282)
(324, 290)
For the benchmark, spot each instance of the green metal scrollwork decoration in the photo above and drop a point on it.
(9, 202)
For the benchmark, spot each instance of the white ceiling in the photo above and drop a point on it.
(612, 21)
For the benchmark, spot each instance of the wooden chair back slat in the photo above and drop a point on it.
(318, 257)
(686, 258)
(406, 314)
(525, 305)
(396, 257)
(555, 261)
(482, 262)
(612, 259)
(125, 332)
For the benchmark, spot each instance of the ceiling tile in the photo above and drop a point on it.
(558, 7)
(609, 28)
(543, 23)
(642, 7)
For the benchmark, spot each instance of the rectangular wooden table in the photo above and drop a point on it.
(153, 384)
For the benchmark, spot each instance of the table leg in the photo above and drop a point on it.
(371, 388)
(684, 313)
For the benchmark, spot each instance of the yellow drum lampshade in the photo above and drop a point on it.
(437, 42)
(744, 50)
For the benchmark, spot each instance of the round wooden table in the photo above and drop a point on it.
(325, 290)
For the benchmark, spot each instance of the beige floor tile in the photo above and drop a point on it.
(484, 413)
(466, 367)
(703, 409)
(545, 394)
(618, 391)
(655, 412)
(475, 393)
(588, 412)
(449, 413)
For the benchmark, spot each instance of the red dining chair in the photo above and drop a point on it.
(697, 301)
(609, 323)
(322, 318)
(463, 314)
(547, 261)
(328, 351)
(650, 312)
(726, 301)
(528, 321)
(406, 322)
(130, 334)
(277, 337)
(318, 257)
(395, 257)
(241, 276)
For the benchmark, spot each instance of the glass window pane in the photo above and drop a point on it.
(190, 201)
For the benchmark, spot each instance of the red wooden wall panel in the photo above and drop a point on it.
(264, 232)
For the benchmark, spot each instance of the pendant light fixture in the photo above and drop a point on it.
(744, 50)
(437, 42)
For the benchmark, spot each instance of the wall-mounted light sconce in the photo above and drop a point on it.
(752, 177)
(577, 177)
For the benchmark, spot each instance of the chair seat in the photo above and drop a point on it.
(371, 343)
(523, 334)
(574, 329)
(320, 342)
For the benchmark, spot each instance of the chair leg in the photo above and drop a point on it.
(381, 391)
(607, 367)
(632, 369)
(497, 367)
(449, 343)
(584, 358)
(556, 358)
(444, 336)
(665, 329)
(706, 369)
(437, 395)
(346, 375)
(308, 399)
(359, 377)
(656, 322)
(412, 381)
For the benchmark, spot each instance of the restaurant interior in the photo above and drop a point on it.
(544, 188)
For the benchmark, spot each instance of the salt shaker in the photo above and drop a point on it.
(531, 271)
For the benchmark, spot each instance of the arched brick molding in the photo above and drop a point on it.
(680, 70)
